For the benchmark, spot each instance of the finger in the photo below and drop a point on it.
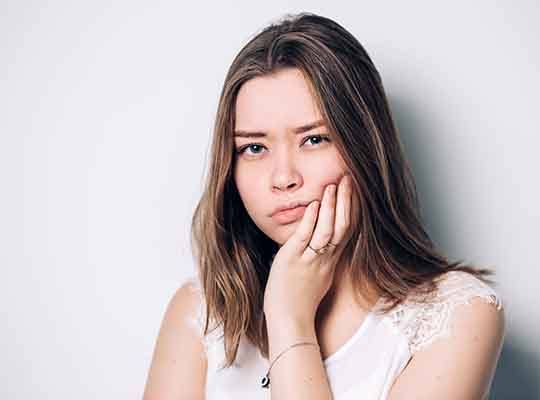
(323, 229)
(325, 222)
(302, 235)
(343, 209)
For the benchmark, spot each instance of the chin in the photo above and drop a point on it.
(282, 233)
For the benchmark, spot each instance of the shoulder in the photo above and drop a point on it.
(468, 314)
(187, 303)
(179, 362)
(459, 295)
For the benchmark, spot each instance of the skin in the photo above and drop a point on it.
(283, 166)
(279, 167)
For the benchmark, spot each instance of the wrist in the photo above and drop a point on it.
(291, 324)
(283, 332)
(286, 318)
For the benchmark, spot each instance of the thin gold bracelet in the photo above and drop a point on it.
(265, 383)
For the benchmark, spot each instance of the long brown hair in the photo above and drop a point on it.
(389, 249)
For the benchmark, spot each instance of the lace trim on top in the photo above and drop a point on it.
(423, 322)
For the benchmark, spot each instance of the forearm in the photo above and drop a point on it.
(298, 373)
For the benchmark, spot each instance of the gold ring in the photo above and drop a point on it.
(319, 251)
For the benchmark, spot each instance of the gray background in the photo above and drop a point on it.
(106, 116)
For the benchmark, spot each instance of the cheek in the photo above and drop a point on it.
(325, 172)
(249, 190)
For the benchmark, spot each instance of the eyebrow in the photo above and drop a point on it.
(296, 131)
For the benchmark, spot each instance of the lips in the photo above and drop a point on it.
(289, 215)
(289, 205)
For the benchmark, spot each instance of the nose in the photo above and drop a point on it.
(285, 175)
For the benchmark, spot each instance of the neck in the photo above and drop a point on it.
(342, 295)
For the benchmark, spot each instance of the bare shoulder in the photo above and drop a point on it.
(457, 346)
(178, 368)
(186, 303)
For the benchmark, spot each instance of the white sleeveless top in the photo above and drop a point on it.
(366, 366)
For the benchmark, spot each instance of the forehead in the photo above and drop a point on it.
(276, 102)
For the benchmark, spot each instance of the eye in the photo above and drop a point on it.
(319, 139)
(252, 146)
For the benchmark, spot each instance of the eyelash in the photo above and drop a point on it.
(242, 149)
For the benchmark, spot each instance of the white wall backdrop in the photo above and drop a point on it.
(106, 110)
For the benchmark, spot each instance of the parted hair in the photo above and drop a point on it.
(388, 249)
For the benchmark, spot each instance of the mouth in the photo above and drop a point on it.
(289, 215)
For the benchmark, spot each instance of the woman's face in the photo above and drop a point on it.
(277, 161)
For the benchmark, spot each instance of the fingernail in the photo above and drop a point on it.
(331, 189)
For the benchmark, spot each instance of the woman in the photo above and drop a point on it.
(316, 278)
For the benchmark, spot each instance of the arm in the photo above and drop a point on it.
(178, 368)
(460, 367)
(300, 370)
(299, 278)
